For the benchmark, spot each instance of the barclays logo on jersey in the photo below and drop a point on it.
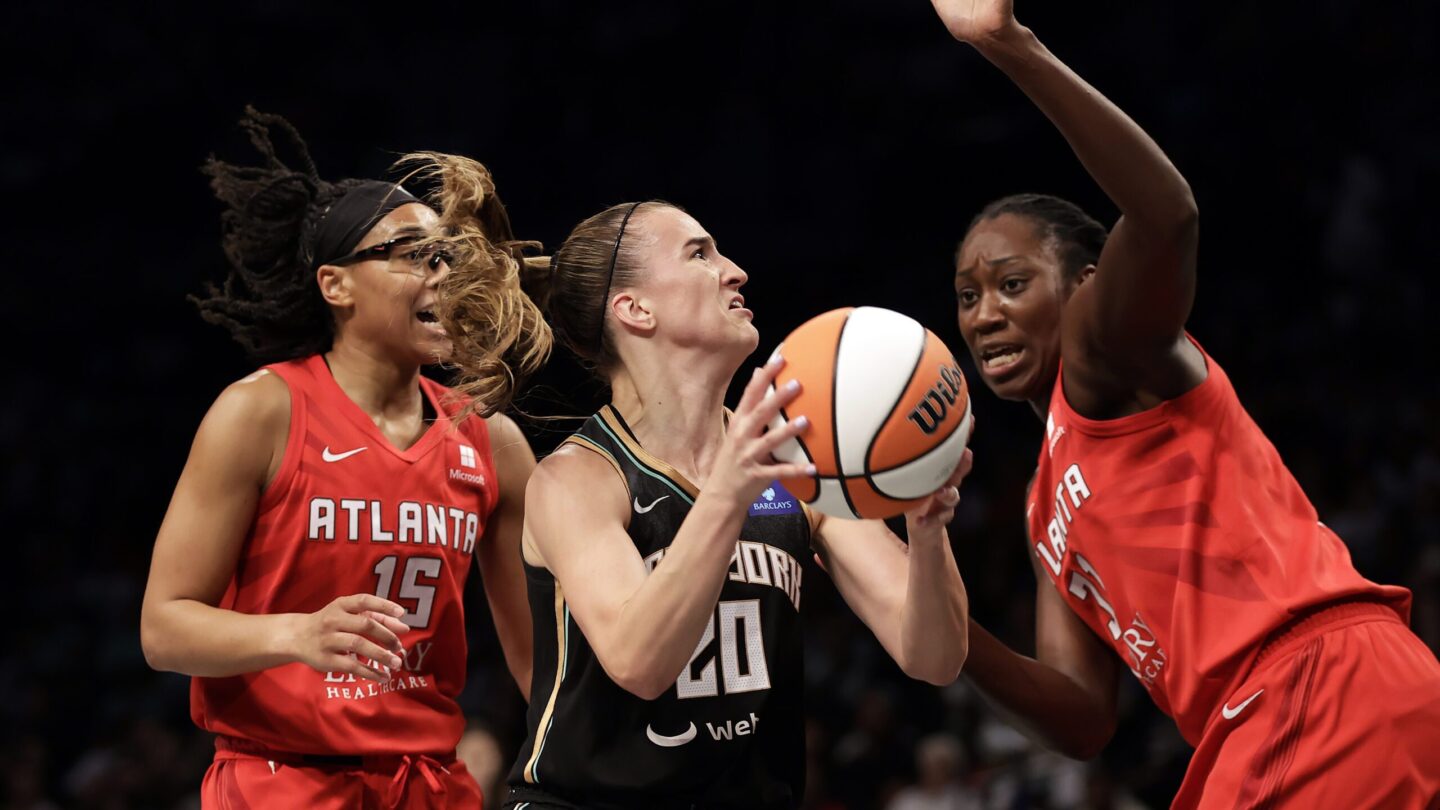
(775, 500)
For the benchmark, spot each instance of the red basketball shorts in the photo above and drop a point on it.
(246, 778)
(1344, 713)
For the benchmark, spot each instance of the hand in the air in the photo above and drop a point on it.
(977, 21)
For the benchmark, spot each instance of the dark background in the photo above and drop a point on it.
(837, 151)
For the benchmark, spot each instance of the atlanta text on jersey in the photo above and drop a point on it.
(355, 520)
(1146, 658)
(1071, 490)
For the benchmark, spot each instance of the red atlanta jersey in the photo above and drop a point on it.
(1181, 539)
(350, 513)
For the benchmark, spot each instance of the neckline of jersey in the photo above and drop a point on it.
(631, 443)
(357, 416)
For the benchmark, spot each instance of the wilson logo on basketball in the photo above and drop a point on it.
(937, 401)
(869, 377)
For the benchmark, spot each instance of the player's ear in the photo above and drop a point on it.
(334, 285)
(1076, 281)
(632, 313)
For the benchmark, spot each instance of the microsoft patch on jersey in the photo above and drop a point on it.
(775, 500)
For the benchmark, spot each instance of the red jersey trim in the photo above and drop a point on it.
(433, 437)
(294, 443)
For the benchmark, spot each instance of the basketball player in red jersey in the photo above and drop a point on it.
(310, 568)
(1168, 536)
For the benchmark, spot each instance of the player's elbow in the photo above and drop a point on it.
(1186, 223)
(1083, 750)
(1173, 224)
(937, 658)
(640, 684)
(941, 671)
(152, 643)
(638, 675)
(1084, 742)
(1179, 222)
(935, 678)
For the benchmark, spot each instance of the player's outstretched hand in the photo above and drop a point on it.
(935, 513)
(350, 635)
(745, 466)
(977, 21)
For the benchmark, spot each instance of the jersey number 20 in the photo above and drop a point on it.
(739, 622)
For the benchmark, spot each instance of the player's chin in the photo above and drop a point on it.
(432, 349)
(747, 336)
(1005, 385)
(1014, 388)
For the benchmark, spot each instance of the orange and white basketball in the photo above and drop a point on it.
(888, 407)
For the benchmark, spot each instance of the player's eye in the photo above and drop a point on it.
(1013, 285)
(966, 297)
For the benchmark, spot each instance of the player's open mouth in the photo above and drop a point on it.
(738, 303)
(1000, 358)
(428, 317)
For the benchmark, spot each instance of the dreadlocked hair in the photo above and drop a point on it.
(269, 301)
(498, 335)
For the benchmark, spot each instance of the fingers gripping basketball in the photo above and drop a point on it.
(888, 410)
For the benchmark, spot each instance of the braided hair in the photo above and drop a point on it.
(1076, 237)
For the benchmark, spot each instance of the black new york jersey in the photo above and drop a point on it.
(730, 732)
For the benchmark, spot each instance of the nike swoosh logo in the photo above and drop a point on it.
(640, 510)
(1231, 714)
(670, 742)
(329, 456)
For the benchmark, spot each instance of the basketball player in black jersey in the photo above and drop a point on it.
(665, 563)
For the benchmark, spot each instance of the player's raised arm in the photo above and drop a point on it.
(236, 452)
(1133, 310)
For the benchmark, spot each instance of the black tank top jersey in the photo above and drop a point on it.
(729, 733)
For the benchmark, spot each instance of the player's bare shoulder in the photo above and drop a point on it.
(251, 419)
(575, 483)
(582, 472)
(264, 393)
(573, 486)
(505, 434)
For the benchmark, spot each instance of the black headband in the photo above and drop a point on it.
(353, 215)
(610, 277)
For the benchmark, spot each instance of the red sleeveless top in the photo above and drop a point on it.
(350, 513)
(1179, 536)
